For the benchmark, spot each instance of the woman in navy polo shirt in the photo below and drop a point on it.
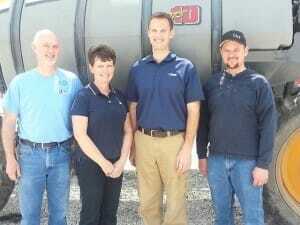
(103, 131)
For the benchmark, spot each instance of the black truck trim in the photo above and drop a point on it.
(146, 15)
(14, 31)
(79, 41)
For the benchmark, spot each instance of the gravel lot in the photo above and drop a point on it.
(199, 204)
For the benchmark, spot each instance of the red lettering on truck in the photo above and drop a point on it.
(186, 14)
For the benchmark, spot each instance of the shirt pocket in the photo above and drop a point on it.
(62, 87)
(63, 96)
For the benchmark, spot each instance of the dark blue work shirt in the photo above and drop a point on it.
(162, 91)
(106, 117)
(238, 117)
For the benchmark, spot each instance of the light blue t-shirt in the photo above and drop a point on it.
(42, 104)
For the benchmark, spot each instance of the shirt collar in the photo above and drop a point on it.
(239, 75)
(170, 57)
(96, 91)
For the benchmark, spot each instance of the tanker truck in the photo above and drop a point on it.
(272, 29)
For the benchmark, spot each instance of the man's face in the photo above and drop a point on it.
(160, 34)
(103, 71)
(233, 54)
(46, 49)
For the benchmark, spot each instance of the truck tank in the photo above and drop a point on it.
(271, 27)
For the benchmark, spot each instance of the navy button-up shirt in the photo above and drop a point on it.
(238, 117)
(162, 91)
(106, 117)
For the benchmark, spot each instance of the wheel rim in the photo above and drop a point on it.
(288, 171)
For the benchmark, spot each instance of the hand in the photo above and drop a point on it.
(132, 155)
(260, 176)
(12, 168)
(118, 169)
(184, 159)
(107, 167)
(202, 165)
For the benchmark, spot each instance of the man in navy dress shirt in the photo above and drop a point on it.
(164, 94)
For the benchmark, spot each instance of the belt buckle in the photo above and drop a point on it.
(151, 133)
(44, 146)
(161, 134)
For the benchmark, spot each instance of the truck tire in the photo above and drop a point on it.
(282, 193)
(6, 186)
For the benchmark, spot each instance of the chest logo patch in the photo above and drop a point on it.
(172, 74)
(63, 87)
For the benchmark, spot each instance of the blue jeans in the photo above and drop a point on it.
(228, 175)
(44, 169)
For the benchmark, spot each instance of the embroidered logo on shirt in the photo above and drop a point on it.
(63, 87)
(172, 74)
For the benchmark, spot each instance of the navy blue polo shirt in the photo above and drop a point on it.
(162, 91)
(238, 117)
(106, 117)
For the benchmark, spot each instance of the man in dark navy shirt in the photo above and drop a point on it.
(164, 94)
(238, 123)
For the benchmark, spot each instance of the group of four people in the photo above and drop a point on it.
(157, 128)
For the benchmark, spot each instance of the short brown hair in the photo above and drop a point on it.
(162, 15)
(103, 52)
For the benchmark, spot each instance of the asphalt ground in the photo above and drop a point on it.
(199, 205)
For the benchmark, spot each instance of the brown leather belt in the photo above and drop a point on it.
(45, 145)
(159, 133)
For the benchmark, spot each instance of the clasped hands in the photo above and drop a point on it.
(112, 170)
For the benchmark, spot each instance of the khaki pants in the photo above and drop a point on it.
(156, 171)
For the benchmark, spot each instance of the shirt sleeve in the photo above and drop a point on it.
(11, 99)
(203, 129)
(193, 88)
(131, 91)
(77, 85)
(80, 106)
(267, 123)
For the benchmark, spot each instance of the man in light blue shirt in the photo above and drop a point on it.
(38, 102)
